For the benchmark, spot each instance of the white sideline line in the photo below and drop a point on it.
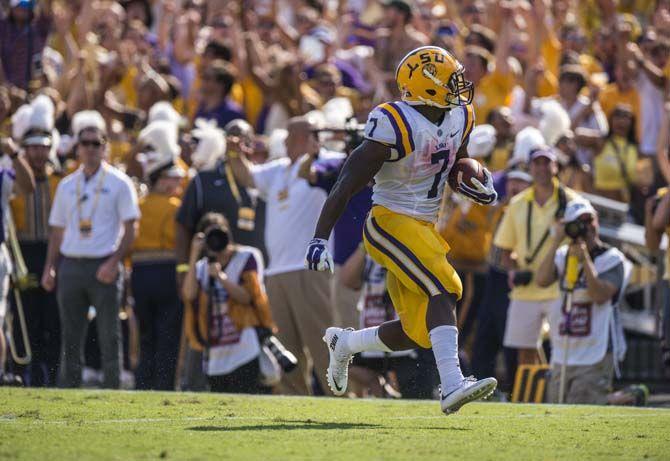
(16, 420)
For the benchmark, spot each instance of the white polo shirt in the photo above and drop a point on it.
(116, 203)
(292, 209)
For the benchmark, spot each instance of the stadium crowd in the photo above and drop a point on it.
(164, 164)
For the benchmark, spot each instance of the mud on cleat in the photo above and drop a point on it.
(336, 340)
(470, 390)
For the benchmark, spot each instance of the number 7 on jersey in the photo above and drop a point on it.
(434, 159)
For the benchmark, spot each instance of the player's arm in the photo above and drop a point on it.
(359, 169)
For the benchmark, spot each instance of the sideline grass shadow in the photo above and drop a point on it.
(286, 426)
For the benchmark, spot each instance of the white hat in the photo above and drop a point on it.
(554, 122)
(526, 140)
(482, 141)
(88, 119)
(162, 137)
(163, 110)
(577, 208)
(211, 144)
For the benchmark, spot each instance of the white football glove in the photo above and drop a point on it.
(318, 257)
(483, 194)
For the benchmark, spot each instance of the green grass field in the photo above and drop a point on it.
(99, 425)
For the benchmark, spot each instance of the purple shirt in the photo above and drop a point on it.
(224, 113)
(349, 228)
(20, 46)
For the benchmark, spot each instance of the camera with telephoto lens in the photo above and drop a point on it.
(285, 358)
(575, 229)
(216, 240)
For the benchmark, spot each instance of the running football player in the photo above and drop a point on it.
(409, 149)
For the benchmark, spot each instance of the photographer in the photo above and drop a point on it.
(523, 238)
(225, 299)
(591, 285)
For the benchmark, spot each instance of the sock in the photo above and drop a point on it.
(366, 340)
(445, 348)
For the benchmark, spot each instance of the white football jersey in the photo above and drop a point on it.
(422, 154)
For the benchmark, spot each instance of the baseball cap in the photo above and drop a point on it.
(543, 151)
(577, 208)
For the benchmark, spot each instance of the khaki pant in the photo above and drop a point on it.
(301, 307)
(586, 384)
(345, 303)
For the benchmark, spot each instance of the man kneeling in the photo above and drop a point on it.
(595, 344)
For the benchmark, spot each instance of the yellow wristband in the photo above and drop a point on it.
(181, 268)
(232, 154)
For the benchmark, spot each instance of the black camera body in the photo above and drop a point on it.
(522, 278)
(575, 229)
(216, 240)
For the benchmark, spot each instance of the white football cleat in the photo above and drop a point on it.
(470, 390)
(340, 357)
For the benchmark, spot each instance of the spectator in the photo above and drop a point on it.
(591, 323)
(407, 371)
(492, 312)
(347, 234)
(468, 227)
(657, 222)
(652, 58)
(93, 224)
(491, 74)
(623, 91)
(574, 173)
(23, 36)
(214, 189)
(225, 299)
(394, 41)
(615, 165)
(153, 278)
(33, 126)
(502, 121)
(217, 81)
(292, 209)
(15, 175)
(524, 232)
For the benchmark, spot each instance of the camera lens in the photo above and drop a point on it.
(575, 229)
(216, 240)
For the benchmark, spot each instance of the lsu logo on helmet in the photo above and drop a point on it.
(432, 76)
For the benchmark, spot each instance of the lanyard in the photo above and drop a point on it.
(620, 160)
(96, 196)
(562, 201)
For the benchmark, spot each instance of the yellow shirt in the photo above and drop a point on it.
(492, 91)
(511, 235)
(499, 157)
(469, 233)
(607, 166)
(157, 224)
(611, 96)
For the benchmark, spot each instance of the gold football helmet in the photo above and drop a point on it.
(432, 76)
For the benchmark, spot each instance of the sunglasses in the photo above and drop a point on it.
(90, 143)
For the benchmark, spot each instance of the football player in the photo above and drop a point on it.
(409, 149)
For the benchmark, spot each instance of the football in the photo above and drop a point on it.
(464, 170)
